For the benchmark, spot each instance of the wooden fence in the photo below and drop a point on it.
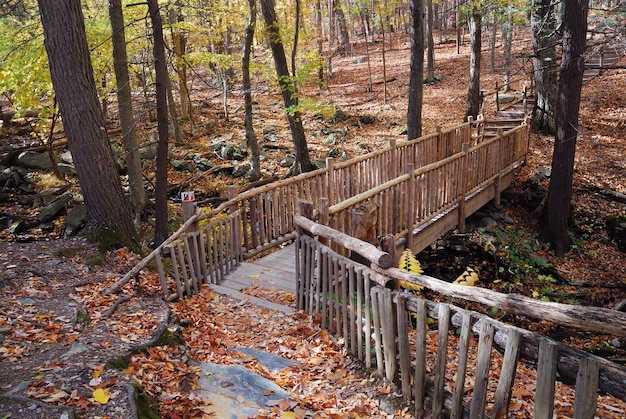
(262, 218)
(362, 306)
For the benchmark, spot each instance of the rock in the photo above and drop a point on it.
(33, 160)
(240, 170)
(66, 156)
(202, 163)
(235, 391)
(75, 349)
(148, 151)
(333, 152)
(505, 98)
(268, 129)
(18, 226)
(359, 60)
(288, 161)
(75, 220)
(53, 208)
(269, 360)
(339, 116)
(182, 165)
(51, 194)
(231, 151)
(367, 119)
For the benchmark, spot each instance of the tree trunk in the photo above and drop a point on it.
(161, 163)
(543, 23)
(472, 107)
(108, 215)
(340, 19)
(430, 74)
(492, 49)
(507, 34)
(288, 89)
(179, 39)
(416, 76)
(555, 218)
(251, 140)
(125, 106)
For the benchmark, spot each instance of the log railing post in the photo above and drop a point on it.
(464, 185)
(324, 218)
(497, 98)
(498, 181)
(330, 185)
(188, 201)
(546, 376)
(410, 213)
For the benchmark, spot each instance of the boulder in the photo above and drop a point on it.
(33, 160)
(75, 220)
(54, 208)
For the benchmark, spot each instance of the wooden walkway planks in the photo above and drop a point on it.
(276, 270)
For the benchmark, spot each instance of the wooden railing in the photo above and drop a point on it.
(264, 215)
(267, 211)
(446, 191)
(362, 306)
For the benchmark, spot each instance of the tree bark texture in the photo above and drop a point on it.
(544, 41)
(125, 108)
(555, 218)
(340, 18)
(416, 75)
(288, 89)
(430, 74)
(251, 140)
(472, 107)
(71, 72)
(161, 163)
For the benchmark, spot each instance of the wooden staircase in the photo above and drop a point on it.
(510, 116)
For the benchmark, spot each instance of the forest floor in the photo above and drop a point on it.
(60, 335)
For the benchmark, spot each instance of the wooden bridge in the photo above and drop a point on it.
(414, 192)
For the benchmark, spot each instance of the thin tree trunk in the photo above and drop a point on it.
(288, 89)
(492, 50)
(161, 164)
(472, 107)
(251, 140)
(109, 219)
(138, 198)
(508, 41)
(382, 29)
(555, 219)
(340, 20)
(430, 76)
(416, 75)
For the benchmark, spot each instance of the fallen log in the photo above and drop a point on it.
(594, 319)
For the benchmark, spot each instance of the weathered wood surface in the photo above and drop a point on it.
(367, 250)
(569, 358)
(583, 318)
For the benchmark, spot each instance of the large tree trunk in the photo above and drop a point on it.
(125, 106)
(288, 89)
(161, 162)
(251, 140)
(416, 76)
(543, 24)
(555, 218)
(108, 213)
(472, 107)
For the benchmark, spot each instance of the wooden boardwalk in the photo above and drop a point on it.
(276, 270)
